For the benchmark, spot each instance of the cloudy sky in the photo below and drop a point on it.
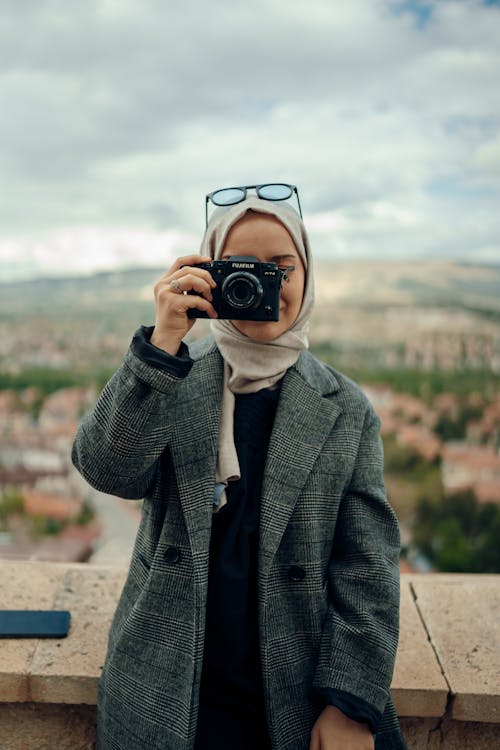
(117, 116)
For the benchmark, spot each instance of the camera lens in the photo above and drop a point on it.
(242, 290)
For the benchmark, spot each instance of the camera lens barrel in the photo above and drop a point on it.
(242, 290)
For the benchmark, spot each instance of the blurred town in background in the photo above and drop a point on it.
(421, 337)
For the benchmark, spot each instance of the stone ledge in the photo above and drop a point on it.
(418, 686)
(65, 670)
(462, 616)
(448, 663)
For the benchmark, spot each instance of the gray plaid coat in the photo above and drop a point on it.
(323, 508)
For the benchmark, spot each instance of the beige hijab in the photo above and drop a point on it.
(252, 365)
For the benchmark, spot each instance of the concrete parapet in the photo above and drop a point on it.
(446, 684)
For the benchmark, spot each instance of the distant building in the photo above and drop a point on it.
(50, 505)
(471, 467)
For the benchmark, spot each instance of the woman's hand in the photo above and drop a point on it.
(173, 302)
(334, 730)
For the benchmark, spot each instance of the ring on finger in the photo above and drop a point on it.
(174, 284)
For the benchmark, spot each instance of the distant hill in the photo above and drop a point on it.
(423, 314)
(70, 294)
(355, 283)
(416, 282)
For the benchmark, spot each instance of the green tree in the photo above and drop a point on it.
(458, 534)
(11, 504)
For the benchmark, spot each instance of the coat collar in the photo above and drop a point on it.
(320, 377)
(317, 375)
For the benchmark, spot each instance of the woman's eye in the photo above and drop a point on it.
(284, 271)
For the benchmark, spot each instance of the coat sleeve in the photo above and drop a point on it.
(119, 443)
(360, 634)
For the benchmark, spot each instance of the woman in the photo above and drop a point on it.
(261, 605)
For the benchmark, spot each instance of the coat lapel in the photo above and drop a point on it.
(194, 452)
(304, 419)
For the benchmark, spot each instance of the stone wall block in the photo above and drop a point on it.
(24, 585)
(462, 616)
(418, 686)
(67, 670)
(44, 726)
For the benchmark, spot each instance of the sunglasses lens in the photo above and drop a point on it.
(275, 192)
(227, 196)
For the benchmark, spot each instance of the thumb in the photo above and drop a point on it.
(315, 743)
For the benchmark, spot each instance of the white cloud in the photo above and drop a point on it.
(487, 159)
(119, 114)
(88, 249)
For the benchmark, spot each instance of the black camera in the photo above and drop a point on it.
(246, 289)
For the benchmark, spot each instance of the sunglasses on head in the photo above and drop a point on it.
(270, 191)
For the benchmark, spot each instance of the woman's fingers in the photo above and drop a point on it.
(186, 279)
(200, 283)
(176, 297)
(188, 260)
(200, 303)
(184, 287)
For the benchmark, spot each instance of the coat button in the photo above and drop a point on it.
(296, 573)
(172, 555)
